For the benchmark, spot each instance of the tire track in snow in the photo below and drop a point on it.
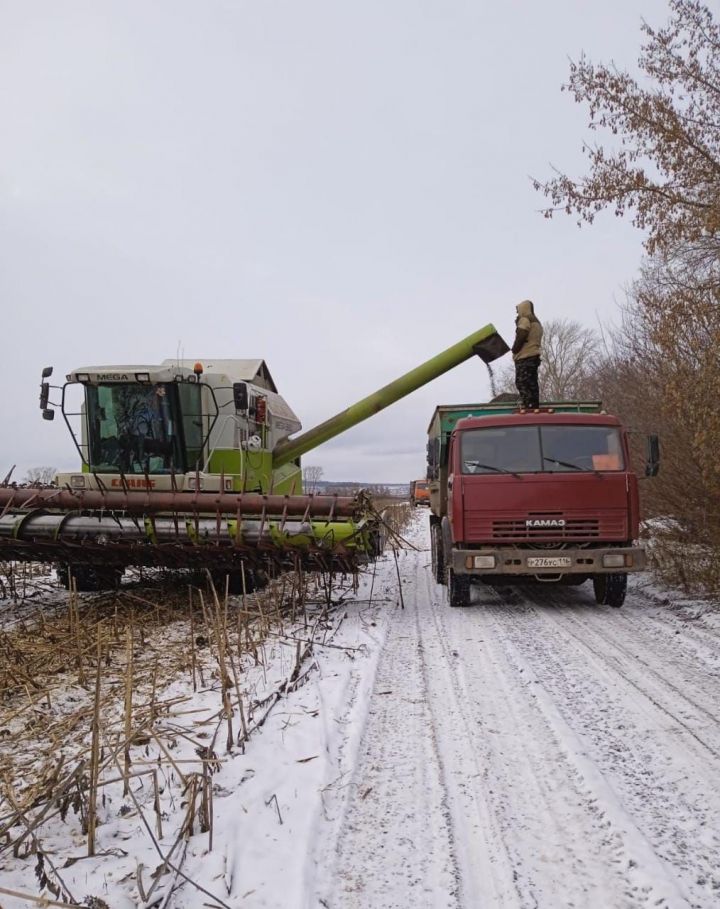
(676, 616)
(490, 872)
(566, 849)
(662, 779)
(518, 755)
(673, 650)
(393, 845)
(622, 661)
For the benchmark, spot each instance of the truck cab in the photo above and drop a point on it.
(420, 492)
(548, 495)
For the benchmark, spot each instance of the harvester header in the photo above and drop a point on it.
(192, 463)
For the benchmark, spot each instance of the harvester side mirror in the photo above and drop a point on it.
(240, 396)
(45, 394)
(652, 465)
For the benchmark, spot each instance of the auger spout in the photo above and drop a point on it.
(485, 343)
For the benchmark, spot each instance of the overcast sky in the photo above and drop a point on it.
(340, 188)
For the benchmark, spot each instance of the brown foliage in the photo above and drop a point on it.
(669, 385)
(665, 166)
(661, 372)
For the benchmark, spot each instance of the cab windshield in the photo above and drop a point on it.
(143, 428)
(541, 449)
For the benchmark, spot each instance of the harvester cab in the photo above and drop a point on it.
(191, 464)
(209, 425)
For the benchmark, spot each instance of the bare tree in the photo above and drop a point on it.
(570, 356)
(312, 474)
(40, 476)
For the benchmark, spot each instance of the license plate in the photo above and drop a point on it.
(549, 562)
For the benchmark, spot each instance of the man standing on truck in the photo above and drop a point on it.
(526, 354)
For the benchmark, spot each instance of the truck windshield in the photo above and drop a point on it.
(536, 449)
(137, 428)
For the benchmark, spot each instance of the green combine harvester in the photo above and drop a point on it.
(192, 465)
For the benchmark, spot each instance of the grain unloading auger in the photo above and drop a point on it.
(191, 465)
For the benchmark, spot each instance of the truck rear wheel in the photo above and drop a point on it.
(437, 553)
(610, 589)
(458, 586)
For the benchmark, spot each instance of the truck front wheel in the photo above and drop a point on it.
(610, 589)
(437, 553)
(458, 586)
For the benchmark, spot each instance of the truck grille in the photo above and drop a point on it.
(574, 529)
(483, 528)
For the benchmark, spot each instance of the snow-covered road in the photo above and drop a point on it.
(533, 749)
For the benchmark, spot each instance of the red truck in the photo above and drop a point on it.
(547, 495)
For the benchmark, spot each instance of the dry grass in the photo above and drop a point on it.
(20, 580)
(680, 562)
(86, 702)
(141, 693)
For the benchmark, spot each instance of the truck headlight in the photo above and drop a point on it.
(484, 561)
(613, 560)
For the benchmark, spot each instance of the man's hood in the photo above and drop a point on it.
(525, 309)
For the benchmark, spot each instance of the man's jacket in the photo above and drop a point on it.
(528, 332)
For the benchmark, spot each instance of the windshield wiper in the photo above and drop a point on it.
(492, 467)
(568, 464)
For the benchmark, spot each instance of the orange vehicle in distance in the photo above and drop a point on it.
(420, 492)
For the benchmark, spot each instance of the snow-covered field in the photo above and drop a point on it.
(532, 750)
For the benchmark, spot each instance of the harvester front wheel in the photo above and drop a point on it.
(89, 578)
(239, 582)
(610, 589)
(437, 553)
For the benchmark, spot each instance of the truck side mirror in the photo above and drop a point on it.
(240, 396)
(48, 414)
(47, 372)
(44, 395)
(652, 464)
